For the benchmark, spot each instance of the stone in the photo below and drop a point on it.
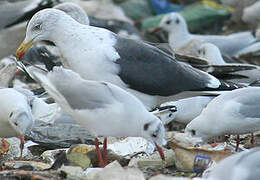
(163, 177)
(114, 171)
(25, 165)
(49, 156)
(79, 155)
(73, 172)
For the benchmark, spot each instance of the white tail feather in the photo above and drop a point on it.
(50, 88)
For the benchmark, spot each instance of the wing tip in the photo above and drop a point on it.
(213, 83)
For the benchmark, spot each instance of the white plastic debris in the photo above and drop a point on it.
(131, 145)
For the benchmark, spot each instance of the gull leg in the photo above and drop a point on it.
(105, 151)
(160, 150)
(21, 146)
(252, 140)
(238, 141)
(100, 159)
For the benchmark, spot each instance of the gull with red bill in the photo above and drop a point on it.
(102, 108)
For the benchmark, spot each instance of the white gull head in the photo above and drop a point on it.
(177, 28)
(16, 111)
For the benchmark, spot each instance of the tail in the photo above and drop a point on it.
(46, 81)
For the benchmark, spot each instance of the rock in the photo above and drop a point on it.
(39, 175)
(50, 156)
(163, 177)
(72, 172)
(154, 161)
(25, 165)
(79, 155)
(92, 172)
(114, 171)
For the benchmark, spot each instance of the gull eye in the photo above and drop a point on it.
(204, 52)
(146, 126)
(199, 51)
(11, 114)
(37, 27)
(193, 132)
(168, 22)
(154, 135)
(177, 21)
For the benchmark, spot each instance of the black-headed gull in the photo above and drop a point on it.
(102, 108)
(179, 36)
(234, 112)
(240, 166)
(15, 115)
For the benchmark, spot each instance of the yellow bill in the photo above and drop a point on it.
(23, 48)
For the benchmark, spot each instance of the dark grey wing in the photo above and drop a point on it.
(149, 70)
(191, 60)
(165, 47)
(231, 71)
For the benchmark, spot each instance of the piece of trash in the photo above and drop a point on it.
(201, 163)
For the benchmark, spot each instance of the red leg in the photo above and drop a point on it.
(238, 141)
(100, 159)
(21, 146)
(160, 150)
(105, 151)
(252, 140)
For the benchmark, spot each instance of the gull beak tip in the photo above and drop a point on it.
(22, 49)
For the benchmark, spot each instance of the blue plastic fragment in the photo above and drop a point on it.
(162, 6)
